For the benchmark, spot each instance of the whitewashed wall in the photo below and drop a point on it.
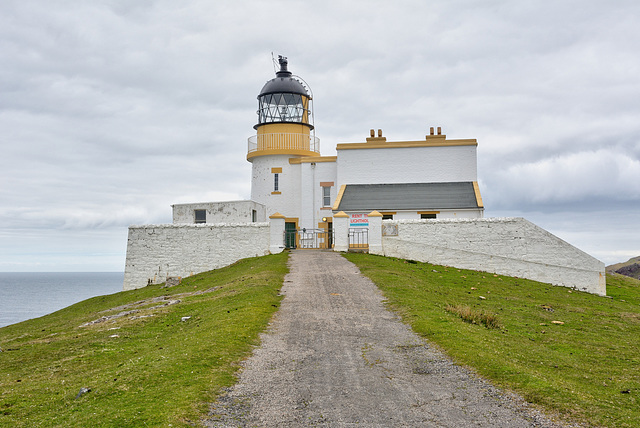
(444, 214)
(288, 201)
(311, 175)
(407, 165)
(155, 252)
(220, 212)
(507, 246)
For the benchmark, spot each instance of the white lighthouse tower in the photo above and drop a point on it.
(284, 132)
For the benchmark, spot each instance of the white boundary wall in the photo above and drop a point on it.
(155, 252)
(506, 246)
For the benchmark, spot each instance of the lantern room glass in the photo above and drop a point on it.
(283, 107)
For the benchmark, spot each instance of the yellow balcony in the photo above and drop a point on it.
(283, 143)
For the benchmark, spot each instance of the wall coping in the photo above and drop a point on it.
(196, 225)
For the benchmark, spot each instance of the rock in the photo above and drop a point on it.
(173, 281)
(185, 318)
(83, 391)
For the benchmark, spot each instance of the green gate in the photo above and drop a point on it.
(290, 235)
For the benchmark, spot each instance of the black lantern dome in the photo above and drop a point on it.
(284, 99)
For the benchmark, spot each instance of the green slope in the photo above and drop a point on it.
(576, 354)
(147, 367)
(150, 368)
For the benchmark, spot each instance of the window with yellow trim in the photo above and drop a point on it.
(326, 196)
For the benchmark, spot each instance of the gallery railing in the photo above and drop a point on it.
(284, 141)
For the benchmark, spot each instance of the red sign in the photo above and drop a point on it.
(359, 220)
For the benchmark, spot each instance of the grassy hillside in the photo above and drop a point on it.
(145, 364)
(571, 352)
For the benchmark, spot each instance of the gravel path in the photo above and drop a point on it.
(335, 357)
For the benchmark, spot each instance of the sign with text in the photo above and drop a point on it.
(357, 220)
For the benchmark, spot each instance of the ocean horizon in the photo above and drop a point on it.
(27, 295)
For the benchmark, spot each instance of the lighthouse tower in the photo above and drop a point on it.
(284, 132)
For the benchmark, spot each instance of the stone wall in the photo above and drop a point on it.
(506, 246)
(155, 252)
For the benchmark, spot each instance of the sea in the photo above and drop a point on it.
(26, 295)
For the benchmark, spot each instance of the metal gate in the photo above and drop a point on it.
(309, 238)
(358, 238)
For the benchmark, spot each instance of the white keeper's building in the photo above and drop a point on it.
(416, 200)
(429, 178)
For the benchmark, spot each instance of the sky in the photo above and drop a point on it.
(111, 111)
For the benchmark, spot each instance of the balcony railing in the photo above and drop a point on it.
(284, 141)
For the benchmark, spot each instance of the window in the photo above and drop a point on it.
(200, 216)
(275, 182)
(254, 216)
(424, 215)
(326, 196)
(387, 215)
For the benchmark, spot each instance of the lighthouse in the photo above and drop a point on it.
(284, 133)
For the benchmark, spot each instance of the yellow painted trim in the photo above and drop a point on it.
(326, 208)
(292, 152)
(341, 214)
(327, 184)
(428, 212)
(476, 189)
(277, 215)
(276, 170)
(375, 213)
(403, 144)
(336, 203)
(388, 213)
(276, 193)
(313, 159)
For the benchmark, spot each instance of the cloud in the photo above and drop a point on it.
(112, 111)
(596, 177)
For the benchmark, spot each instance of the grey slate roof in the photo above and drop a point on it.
(408, 196)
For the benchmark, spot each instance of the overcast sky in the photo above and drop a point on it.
(111, 111)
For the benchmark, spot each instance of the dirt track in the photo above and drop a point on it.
(335, 357)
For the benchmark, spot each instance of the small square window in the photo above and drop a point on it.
(276, 184)
(200, 216)
(387, 216)
(426, 216)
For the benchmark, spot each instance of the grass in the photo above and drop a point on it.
(474, 316)
(147, 368)
(575, 354)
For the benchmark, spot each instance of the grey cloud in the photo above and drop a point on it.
(113, 111)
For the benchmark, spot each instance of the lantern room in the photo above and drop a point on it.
(285, 119)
